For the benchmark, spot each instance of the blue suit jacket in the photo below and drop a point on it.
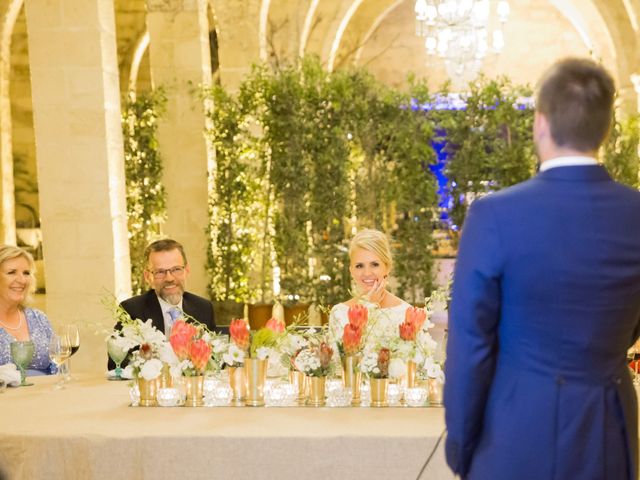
(545, 303)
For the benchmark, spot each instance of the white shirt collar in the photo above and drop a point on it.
(567, 162)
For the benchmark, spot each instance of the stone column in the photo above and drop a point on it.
(9, 11)
(635, 80)
(180, 62)
(79, 150)
(238, 28)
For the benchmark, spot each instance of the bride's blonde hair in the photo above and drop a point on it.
(374, 241)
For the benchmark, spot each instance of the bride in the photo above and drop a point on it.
(369, 264)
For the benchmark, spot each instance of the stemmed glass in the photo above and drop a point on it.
(22, 354)
(59, 351)
(73, 336)
(117, 354)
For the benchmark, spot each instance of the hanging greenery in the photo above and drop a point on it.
(233, 200)
(490, 142)
(620, 155)
(145, 194)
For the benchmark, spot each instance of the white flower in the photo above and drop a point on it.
(233, 356)
(167, 355)
(151, 369)
(127, 372)
(219, 345)
(263, 352)
(433, 369)
(397, 368)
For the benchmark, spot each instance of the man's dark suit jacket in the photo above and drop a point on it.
(147, 306)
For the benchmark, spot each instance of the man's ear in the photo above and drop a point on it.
(147, 276)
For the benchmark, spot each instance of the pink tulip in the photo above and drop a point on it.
(275, 325)
(408, 331)
(358, 316)
(239, 332)
(415, 315)
(199, 354)
(351, 338)
(180, 327)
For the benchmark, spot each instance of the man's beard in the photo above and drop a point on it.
(172, 298)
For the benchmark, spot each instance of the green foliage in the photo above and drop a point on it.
(233, 205)
(490, 142)
(145, 194)
(265, 337)
(620, 155)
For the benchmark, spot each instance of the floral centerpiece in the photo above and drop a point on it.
(197, 349)
(251, 350)
(315, 361)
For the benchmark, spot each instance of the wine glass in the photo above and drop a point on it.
(22, 354)
(73, 337)
(117, 354)
(59, 351)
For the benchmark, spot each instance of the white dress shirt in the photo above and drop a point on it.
(567, 162)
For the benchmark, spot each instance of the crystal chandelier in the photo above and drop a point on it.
(457, 31)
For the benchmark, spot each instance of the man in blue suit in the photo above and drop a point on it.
(545, 304)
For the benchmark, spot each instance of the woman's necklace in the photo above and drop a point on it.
(13, 328)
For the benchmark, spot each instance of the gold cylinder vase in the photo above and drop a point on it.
(298, 379)
(255, 373)
(411, 374)
(194, 391)
(435, 389)
(351, 376)
(237, 384)
(316, 386)
(378, 391)
(148, 391)
(165, 377)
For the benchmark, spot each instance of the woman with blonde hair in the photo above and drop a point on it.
(370, 263)
(17, 321)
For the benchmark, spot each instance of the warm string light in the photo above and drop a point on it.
(458, 32)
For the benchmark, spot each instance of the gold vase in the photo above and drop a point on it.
(435, 391)
(298, 379)
(316, 391)
(378, 391)
(411, 374)
(255, 373)
(237, 384)
(165, 377)
(148, 391)
(351, 376)
(194, 391)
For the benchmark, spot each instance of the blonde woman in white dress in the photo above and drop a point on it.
(370, 263)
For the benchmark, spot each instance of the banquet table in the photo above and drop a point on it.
(89, 431)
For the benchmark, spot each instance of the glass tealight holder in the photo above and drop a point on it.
(209, 385)
(339, 397)
(365, 394)
(291, 394)
(168, 397)
(394, 394)
(134, 395)
(274, 395)
(220, 397)
(415, 396)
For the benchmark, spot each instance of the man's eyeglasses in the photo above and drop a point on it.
(162, 272)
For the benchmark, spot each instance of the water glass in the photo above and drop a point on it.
(22, 353)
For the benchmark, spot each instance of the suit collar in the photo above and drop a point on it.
(578, 173)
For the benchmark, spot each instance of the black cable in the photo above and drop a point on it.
(431, 454)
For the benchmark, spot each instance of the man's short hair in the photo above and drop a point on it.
(576, 97)
(164, 245)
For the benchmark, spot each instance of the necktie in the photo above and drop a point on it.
(174, 314)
